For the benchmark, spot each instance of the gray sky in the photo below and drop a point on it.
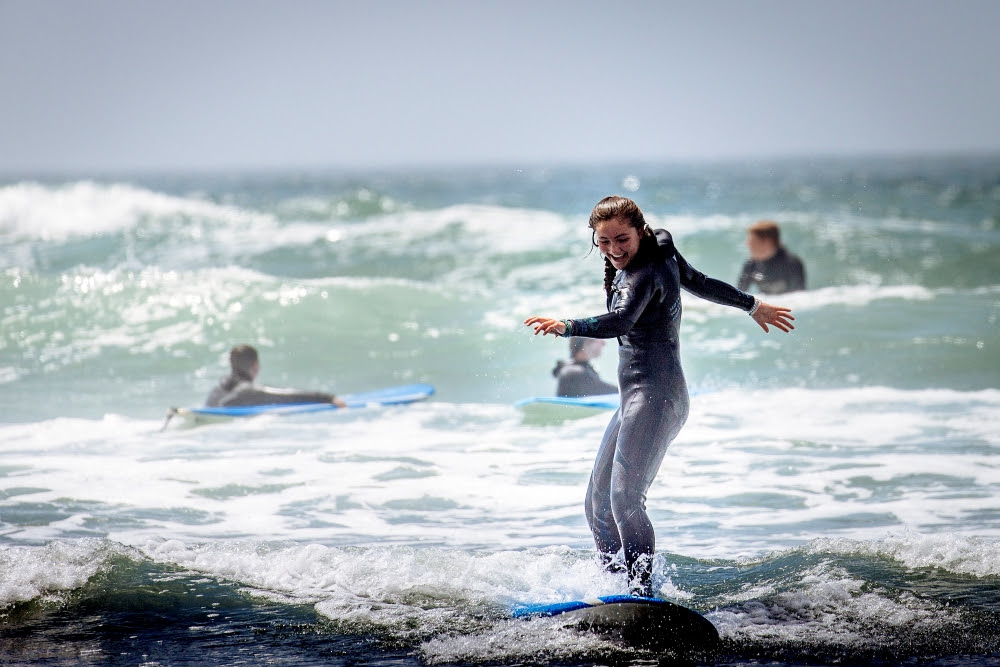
(124, 84)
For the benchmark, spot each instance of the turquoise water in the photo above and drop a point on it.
(834, 495)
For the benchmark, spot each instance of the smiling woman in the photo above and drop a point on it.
(643, 276)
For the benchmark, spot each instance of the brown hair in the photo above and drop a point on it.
(626, 209)
(241, 359)
(766, 230)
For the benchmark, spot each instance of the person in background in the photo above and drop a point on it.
(239, 388)
(771, 267)
(577, 377)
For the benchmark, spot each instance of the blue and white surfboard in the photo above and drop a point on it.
(544, 409)
(398, 395)
(600, 402)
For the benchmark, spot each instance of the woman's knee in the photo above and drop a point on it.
(626, 501)
(597, 508)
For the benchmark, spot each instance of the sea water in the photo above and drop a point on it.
(833, 497)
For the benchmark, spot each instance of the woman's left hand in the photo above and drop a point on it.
(776, 316)
(546, 325)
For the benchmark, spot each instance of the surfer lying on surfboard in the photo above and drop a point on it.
(239, 388)
(643, 275)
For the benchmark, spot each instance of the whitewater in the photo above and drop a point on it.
(833, 497)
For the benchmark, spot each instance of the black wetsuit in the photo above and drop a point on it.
(235, 390)
(783, 272)
(645, 315)
(578, 378)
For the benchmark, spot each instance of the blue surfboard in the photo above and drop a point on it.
(638, 620)
(554, 409)
(601, 402)
(398, 395)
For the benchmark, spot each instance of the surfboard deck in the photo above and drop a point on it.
(554, 409)
(638, 620)
(557, 409)
(398, 395)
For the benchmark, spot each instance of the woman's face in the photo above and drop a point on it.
(618, 241)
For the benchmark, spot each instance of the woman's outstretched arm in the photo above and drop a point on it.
(546, 325)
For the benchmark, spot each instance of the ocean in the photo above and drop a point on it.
(833, 498)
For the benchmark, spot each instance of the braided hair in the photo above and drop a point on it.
(628, 211)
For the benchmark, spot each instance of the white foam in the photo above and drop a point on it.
(961, 554)
(454, 603)
(33, 573)
(751, 471)
(828, 607)
(85, 208)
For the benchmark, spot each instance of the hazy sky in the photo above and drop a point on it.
(120, 84)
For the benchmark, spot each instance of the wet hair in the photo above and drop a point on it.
(766, 230)
(624, 208)
(241, 360)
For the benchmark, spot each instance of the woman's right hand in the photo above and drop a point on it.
(777, 316)
(546, 325)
